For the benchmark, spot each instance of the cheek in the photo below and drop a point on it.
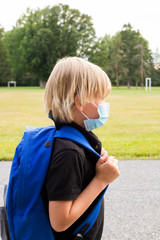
(91, 111)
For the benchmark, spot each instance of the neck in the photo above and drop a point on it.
(78, 118)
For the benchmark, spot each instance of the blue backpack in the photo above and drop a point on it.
(27, 218)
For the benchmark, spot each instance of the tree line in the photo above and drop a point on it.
(30, 50)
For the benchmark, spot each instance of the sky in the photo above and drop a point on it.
(108, 17)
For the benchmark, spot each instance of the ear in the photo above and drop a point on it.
(77, 103)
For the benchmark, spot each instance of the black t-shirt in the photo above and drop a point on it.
(71, 169)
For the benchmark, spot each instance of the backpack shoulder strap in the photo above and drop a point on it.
(87, 224)
(76, 136)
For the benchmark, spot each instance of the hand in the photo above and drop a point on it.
(107, 169)
(104, 152)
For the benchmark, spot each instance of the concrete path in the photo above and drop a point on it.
(132, 202)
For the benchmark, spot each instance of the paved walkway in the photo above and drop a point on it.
(132, 202)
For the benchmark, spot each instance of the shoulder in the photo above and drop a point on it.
(68, 153)
(66, 145)
(66, 166)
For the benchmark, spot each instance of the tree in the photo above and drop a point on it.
(135, 53)
(100, 51)
(128, 37)
(4, 66)
(12, 40)
(115, 57)
(155, 68)
(41, 37)
(140, 58)
(155, 77)
(156, 59)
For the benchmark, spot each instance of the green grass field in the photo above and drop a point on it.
(132, 131)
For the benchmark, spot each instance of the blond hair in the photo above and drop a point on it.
(73, 76)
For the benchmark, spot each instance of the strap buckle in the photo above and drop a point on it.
(82, 231)
(79, 236)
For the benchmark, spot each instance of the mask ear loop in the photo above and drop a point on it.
(85, 115)
(94, 104)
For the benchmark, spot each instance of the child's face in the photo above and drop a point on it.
(88, 110)
(91, 110)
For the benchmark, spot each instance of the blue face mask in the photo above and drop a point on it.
(103, 110)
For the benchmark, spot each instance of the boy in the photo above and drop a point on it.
(75, 95)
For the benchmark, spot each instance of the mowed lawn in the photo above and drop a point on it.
(131, 132)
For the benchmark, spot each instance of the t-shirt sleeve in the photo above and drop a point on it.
(64, 179)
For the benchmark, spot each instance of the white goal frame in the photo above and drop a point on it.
(148, 80)
(12, 82)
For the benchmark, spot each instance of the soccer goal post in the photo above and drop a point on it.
(148, 83)
(12, 82)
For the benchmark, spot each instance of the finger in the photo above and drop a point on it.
(106, 153)
(111, 158)
(102, 160)
(102, 151)
(116, 162)
(113, 161)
